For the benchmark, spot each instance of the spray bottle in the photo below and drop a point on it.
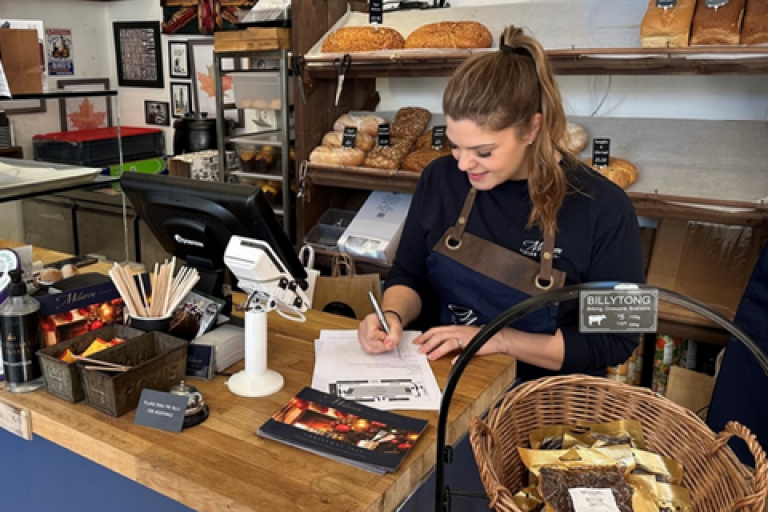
(21, 337)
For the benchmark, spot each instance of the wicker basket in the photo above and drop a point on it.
(718, 482)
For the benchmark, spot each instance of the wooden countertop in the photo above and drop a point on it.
(223, 465)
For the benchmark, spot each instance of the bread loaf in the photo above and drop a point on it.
(421, 158)
(337, 156)
(365, 124)
(425, 141)
(49, 276)
(754, 30)
(621, 172)
(388, 157)
(362, 39)
(410, 123)
(450, 34)
(575, 139)
(335, 139)
(717, 26)
(667, 28)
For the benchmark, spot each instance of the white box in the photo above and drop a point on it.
(228, 342)
(375, 231)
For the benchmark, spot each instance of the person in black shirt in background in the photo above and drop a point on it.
(511, 184)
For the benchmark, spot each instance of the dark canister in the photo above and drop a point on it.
(21, 337)
(194, 132)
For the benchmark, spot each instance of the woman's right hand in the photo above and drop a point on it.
(374, 339)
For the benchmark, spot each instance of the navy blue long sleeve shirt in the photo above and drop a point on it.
(597, 239)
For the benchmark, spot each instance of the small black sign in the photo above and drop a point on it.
(601, 152)
(666, 3)
(632, 310)
(348, 139)
(715, 4)
(383, 139)
(438, 137)
(200, 361)
(376, 14)
(164, 411)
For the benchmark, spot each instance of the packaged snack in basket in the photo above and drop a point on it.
(663, 469)
(667, 497)
(595, 435)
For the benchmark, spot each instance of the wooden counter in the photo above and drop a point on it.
(223, 465)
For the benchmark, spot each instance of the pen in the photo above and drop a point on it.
(382, 318)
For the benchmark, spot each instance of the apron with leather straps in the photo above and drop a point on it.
(475, 279)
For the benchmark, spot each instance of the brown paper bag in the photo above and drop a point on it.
(345, 292)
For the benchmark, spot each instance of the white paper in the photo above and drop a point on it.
(385, 381)
(593, 500)
(5, 91)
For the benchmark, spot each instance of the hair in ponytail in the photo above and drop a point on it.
(505, 89)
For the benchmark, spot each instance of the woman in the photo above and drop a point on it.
(481, 219)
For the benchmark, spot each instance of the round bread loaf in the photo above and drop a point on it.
(575, 139)
(621, 172)
(335, 140)
(450, 34)
(362, 39)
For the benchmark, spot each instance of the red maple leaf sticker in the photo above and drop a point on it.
(207, 85)
(86, 118)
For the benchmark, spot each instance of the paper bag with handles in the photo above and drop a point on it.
(345, 292)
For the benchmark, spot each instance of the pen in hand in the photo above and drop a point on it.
(382, 319)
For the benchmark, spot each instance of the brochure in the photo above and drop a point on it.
(344, 430)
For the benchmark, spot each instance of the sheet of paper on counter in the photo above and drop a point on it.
(384, 381)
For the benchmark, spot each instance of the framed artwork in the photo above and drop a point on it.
(181, 99)
(204, 88)
(12, 107)
(192, 17)
(85, 112)
(138, 54)
(178, 59)
(156, 112)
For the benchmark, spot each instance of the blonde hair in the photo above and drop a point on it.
(505, 89)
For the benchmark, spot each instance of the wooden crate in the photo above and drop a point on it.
(252, 39)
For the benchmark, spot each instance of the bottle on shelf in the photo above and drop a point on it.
(21, 337)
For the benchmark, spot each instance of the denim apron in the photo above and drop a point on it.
(475, 280)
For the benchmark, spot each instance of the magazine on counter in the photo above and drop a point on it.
(344, 430)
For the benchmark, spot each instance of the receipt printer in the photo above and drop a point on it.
(375, 231)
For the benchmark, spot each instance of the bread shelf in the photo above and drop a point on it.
(362, 178)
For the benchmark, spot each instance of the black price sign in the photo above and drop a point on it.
(601, 152)
(438, 137)
(715, 4)
(348, 139)
(383, 134)
(376, 13)
(632, 310)
(666, 3)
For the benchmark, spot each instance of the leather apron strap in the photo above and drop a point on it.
(497, 262)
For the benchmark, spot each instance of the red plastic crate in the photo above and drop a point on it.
(99, 147)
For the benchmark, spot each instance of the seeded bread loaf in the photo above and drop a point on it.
(450, 34)
(362, 39)
(410, 123)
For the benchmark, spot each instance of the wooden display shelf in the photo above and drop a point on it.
(362, 178)
(702, 60)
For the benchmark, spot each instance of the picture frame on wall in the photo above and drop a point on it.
(84, 112)
(157, 112)
(181, 99)
(204, 88)
(178, 59)
(12, 107)
(138, 54)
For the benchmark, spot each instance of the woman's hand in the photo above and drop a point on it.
(447, 339)
(374, 339)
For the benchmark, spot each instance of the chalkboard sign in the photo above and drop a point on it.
(348, 139)
(716, 3)
(383, 134)
(601, 152)
(438, 137)
(632, 310)
(666, 3)
(376, 13)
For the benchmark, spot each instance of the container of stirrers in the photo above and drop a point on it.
(113, 380)
(62, 379)
(158, 299)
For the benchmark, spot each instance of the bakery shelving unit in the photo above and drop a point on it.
(275, 64)
(697, 184)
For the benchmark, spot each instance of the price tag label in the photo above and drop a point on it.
(376, 13)
(348, 139)
(715, 4)
(438, 137)
(15, 420)
(666, 4)
(593, 500)
(383, 139)
(618, 310)
(601, 152)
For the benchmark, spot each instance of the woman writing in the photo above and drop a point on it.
(509, 214)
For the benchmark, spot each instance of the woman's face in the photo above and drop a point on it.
(490, 157)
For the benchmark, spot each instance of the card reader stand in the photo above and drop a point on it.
(256, 379)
